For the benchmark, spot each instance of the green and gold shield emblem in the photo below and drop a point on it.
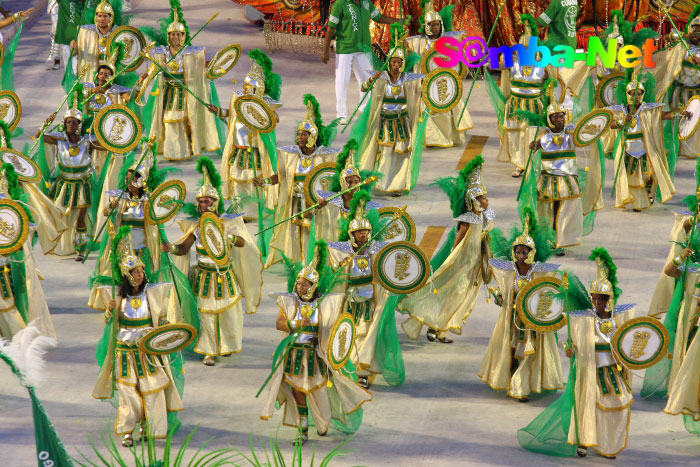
(341, 341)
(14, 226)
(537, 307)
(640, 342)
(213, 236)
(165, 201)
(224, 61)
(401, 267)
(118, 129)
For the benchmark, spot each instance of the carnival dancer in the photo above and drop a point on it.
(519, 359)
(295, 163)
(69, 158)
(303, 381)
(354, 254)
(558, 188)
(443, 129)
(594, 411)
(22, 298)
(181, 124)
(641, 165)
(49, 218)
(523, 89)
(460, 267)
(248, 153)
(128, 203)
(387, 140)
(219, 289)
(677, 73)
(145, 383)
(347, 175)
(56, 51)
(91, 43)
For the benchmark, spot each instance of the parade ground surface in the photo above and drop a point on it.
(443, 414)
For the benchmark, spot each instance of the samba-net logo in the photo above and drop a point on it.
(473, 52)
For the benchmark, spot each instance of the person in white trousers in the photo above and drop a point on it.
(348, 23)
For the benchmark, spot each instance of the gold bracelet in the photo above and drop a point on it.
(173, 249)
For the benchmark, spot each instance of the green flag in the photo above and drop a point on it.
(69, 14)
(49, 447)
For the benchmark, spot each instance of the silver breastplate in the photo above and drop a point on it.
(635, 147)
(690, 76)
(527, 74)
(558, 143)
(306, 336)
(134, 307)
(82, 152)
(394, 91)
(242, 134)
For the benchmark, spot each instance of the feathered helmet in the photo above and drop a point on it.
(554, 106)
(345, 165)
(396, 48)
(524, 239)
(144, 168)
(311, 271)
(635, 84)
(128, 260)
(74, 111)
(530, 28)
(211, 182)
(114, 59)
(475, 188)
(429, 13)
(313, 124)
(359, 218)
(606, 281)
(178, 23)
(105, 7)
(261, 77)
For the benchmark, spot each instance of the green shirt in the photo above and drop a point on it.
(561, 17)
(351, 23)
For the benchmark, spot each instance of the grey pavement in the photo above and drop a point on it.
(443, 414)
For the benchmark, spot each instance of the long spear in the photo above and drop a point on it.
(670, 20)
(488, 41)
(371, 179)
(398, 45)
(45, 126)
(128, 182)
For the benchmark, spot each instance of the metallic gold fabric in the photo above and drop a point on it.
(457, 282)
(603, 419)
(663, 293)
(684, 392)
(537, 371)
(88, 51)
(567, 221)
(687, 320)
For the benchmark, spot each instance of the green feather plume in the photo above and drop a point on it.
(447, 18)
(123, 232)
(607, 260)
(12, 181)
(694, 14)
(647, 82)
(531, 117)
(5, 128)
(214, 176)
(576, 296)
(273, 81)
(456, 187)
(543, 235)
(340, 163)
(326, 133)
(292, 269)
(412, 58)
(530, 22)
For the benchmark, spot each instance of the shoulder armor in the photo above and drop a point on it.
(117, 89)
(325, 150)
(341, 246)
(88, 85)
(155, 286)
(650, 105)
(684, 212)
(545, 267)
(582, 313)
(375, 247)
(691, 267)
(624, 307)
(118, 193)
(160, 49)
(617, 108)
(373, 205)
(56, 134)
(290, 149)
(413, 77)
(89, 27)
(490, 214)
(231, 216)
(502, 264)
(192, 49)
(469, 218)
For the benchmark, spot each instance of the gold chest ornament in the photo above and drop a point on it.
(306, 162)
(100, 99)
(74, 150)
(307, 311)
(396, 90)
(362, 263)
(558, 140)
(103, 41)
(527, 70)
(633, 122)
(136, 303)
(174, 66)
(606, 327)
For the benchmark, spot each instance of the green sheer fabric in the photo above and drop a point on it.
(388, 348)
(418, 146)
(497, 98)
(19, 284)
(359, 129)
(528, 189)
(8, 66)
(220, 127)
(672, 145)
(548, 433)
